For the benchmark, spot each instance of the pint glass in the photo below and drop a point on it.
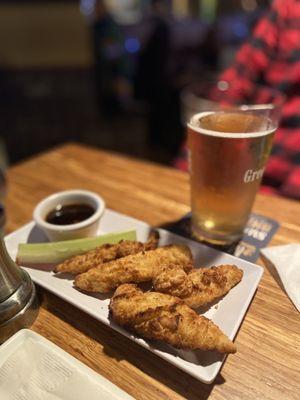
(228, 150)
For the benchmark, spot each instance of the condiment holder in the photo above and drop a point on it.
(85, 228)
(18, 300)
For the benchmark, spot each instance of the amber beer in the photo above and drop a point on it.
(227, 154)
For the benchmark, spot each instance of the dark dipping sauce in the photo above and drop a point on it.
(69, 214)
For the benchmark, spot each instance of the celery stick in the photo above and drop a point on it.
(56, 252)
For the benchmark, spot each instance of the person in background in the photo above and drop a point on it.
(151, 82)
(111, 68)
(271, 57)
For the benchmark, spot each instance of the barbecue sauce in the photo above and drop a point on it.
(69, 214)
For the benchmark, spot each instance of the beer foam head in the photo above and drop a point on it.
(233, 124)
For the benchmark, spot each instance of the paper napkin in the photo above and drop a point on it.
(35, 373)
(286, 260)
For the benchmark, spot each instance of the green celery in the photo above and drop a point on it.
(56, 252)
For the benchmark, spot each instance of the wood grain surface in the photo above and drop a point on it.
(267, 364)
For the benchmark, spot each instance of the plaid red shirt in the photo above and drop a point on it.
(271, 57)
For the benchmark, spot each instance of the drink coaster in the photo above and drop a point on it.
(257, 234)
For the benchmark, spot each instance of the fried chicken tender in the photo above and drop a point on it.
(163, 317)
(199, 286)
(134, 268)
(108, 252)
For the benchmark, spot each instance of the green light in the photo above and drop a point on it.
(208, 9)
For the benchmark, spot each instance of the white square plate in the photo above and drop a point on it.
(228, 314)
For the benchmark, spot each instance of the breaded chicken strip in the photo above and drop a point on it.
(135, 268)
(199, 286)
(107, 252)
(163, 317)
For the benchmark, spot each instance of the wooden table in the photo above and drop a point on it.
(267, 365)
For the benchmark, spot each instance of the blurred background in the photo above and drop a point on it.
(110, 73)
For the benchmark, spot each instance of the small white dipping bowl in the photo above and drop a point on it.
(88, 227)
